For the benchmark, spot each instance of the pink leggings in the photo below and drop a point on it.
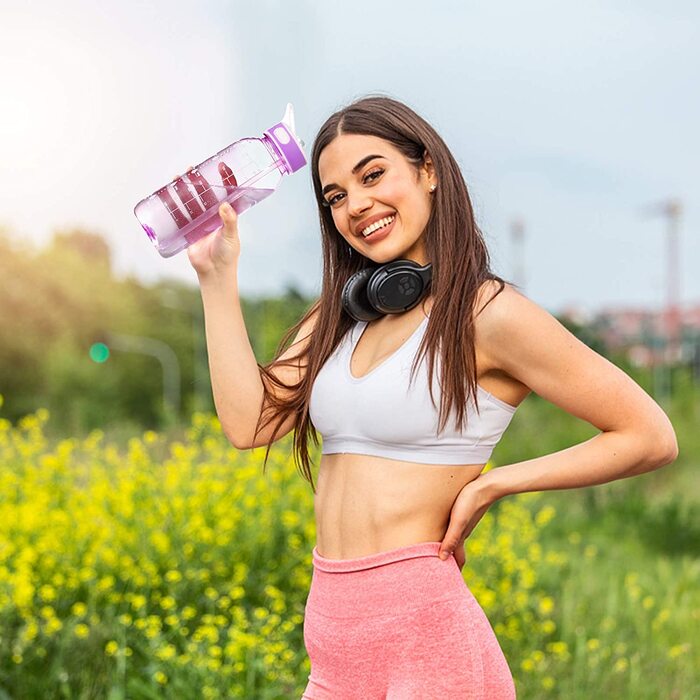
(399, 625)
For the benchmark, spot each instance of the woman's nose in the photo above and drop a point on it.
(358, 203)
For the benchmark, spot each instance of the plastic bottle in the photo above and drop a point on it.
(242, 174)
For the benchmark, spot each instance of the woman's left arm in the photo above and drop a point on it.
(636, 435)
(528, 343)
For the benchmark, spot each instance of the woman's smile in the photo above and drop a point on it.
(381, 233)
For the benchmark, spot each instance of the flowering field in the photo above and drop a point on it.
(177, 569)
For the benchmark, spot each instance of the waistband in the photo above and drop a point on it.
(412, 551)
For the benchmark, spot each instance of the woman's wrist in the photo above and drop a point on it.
(216, 279)
(490, 486)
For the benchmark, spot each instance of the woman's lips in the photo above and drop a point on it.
(380, 234)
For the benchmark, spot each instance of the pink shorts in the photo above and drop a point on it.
(399, 625)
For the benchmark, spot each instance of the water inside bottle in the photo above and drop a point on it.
(240, 199)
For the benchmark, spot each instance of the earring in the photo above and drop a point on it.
(433, 188)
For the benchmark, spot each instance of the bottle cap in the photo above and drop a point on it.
(283, 136)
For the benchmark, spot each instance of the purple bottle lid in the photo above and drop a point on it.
(285, 139)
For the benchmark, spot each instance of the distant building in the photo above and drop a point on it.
(645, 336)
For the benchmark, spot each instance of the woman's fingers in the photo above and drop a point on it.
(230, 218)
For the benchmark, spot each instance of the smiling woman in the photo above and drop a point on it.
(410, 403)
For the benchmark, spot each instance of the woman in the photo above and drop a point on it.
(398, 483)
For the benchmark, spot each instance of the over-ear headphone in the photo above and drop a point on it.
(392, 288)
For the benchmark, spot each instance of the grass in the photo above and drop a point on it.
(140, 567)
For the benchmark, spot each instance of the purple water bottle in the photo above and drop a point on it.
(242, 174)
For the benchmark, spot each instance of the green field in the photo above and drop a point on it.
(169, 566)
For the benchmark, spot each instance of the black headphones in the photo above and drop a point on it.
(392, 288)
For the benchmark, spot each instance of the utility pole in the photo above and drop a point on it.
(202, 388)
(671, 209)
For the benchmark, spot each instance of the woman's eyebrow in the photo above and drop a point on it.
(364, 161)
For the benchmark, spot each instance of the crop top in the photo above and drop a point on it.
(380, 414)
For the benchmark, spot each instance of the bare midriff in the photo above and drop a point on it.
(366, 504)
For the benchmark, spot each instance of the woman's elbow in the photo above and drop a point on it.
(666, 449)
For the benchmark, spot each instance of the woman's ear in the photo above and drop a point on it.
(428, 166)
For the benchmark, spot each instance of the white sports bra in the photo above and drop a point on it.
(379, 414)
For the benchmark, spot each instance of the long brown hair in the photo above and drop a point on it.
(460, 265)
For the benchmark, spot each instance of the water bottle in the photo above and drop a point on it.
(242, 174)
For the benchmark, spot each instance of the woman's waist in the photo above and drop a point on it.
(348, 539)
(365, 504)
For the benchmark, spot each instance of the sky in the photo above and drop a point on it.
(578, 119)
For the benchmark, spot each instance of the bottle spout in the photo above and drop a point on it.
(288, 118)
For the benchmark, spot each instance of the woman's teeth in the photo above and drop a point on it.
(377, 225)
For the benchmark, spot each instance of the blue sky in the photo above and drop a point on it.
(573, 117)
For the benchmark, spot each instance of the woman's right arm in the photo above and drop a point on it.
(235, 377)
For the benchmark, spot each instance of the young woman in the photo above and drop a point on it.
(404, 440)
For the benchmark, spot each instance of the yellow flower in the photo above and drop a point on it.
(166, 652)
(105, 583)
(559, 648)
(78, 609)
(149, 437)
(621, 665)
(47, 592)
(111, 648)
(160, 677)
(138, 601)
(188, 612)
(678, 649)
(546, 605)
(261, 613)
(548, 626)
(545, 515)
(81, 630)
(53, 625)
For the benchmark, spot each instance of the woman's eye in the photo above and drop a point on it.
(374, 172)
(366, 178)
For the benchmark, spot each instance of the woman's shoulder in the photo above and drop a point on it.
(493, 295)
(500, 311)
(497, 304)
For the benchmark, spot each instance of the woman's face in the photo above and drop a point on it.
(381, 187)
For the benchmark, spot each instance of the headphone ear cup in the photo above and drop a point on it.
(355, 301)
(398, 286)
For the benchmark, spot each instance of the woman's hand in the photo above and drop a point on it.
(219, 251)
(469, 507)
